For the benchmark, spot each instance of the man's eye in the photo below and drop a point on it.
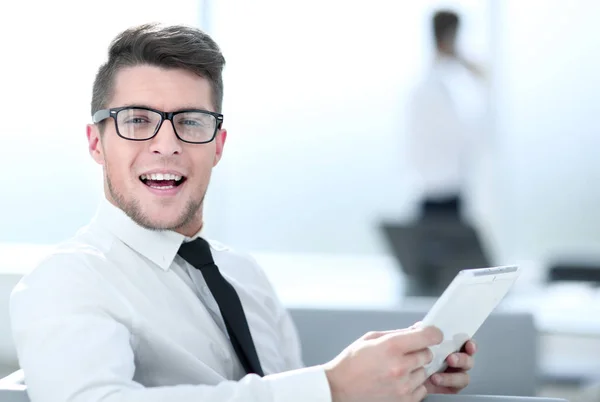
(193, 123)
(136, 120)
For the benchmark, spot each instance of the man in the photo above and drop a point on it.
(444, 112)
(138, 306)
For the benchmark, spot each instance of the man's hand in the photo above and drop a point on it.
(383, 366)
(475, 69)
(455, 377)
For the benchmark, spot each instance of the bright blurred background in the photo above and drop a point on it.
(315, 108)
(316, 96)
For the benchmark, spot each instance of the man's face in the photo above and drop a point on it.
(449, 42)
(128, 165)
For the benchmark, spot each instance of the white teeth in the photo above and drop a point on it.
(161, 176)
(163, 187)
(174, 177)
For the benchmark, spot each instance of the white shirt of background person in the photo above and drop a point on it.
(444, 126)
(446, 113)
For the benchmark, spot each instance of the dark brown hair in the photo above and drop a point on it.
(163, 46)
(444, 23)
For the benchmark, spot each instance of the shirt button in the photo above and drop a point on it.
(204, 289)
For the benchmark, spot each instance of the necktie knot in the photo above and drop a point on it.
(196, 252)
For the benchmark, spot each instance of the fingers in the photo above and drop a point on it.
(470, 347)
(460, 361)
(413, 340)
(455, 381)
(374, 335)
(419, 394)
(378, 334)
(415, 360)
(410, 383)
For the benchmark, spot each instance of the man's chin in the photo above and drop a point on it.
(168, 217)
(158, 213)
(161, 222)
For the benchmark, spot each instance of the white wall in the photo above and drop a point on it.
(548, 106)
(314, 104)
(49, 185)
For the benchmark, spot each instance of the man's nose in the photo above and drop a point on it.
(165, 142)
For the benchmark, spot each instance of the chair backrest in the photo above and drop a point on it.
(11, 395)
(506, 361)
(16, 259)
(431, 251)
(8, 355)
(13, 389)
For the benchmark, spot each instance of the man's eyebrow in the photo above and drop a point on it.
(186, 107)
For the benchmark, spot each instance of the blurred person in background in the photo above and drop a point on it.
(444, 115)
(139, 306)
(444, 132)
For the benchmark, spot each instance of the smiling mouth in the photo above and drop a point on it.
(162, 181)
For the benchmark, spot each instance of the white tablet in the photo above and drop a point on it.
(464, 306)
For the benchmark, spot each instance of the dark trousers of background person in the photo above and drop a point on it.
(445, 245)
(449, 208)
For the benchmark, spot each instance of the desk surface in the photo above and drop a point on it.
(340, 281)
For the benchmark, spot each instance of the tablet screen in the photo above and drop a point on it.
(464, 306)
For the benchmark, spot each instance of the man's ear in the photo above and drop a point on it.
(94, 145)
(220, 143)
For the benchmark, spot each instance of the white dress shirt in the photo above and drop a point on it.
(444, 120)
(114, 314)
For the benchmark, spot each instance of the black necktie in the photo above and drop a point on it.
(198, 254)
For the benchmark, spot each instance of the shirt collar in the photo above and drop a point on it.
(159, 246)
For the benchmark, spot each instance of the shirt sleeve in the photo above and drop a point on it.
(72, 349)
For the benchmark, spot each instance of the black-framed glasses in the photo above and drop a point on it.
(135, 123)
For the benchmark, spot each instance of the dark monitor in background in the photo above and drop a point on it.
(432, 251)
(575, 270)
